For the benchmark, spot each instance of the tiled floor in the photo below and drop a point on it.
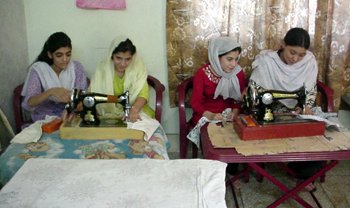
(333, 193)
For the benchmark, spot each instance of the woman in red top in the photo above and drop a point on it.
(218, 85)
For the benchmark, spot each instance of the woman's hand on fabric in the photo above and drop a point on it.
(212, 116)
(307, 111)
(134, 115)
(233, 114)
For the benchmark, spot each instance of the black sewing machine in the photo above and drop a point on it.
(89, 100)
(261, 122)
(260, 104)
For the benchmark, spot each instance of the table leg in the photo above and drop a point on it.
(300, 186)
(279, 185)
(244, 173)
(292, 192)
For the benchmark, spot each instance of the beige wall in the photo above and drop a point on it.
(92, 31)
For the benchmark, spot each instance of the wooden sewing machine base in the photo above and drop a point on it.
(249, 131)
(75, 130)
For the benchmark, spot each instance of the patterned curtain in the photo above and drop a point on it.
(258, 25)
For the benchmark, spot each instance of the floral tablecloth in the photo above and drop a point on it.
(52, 146)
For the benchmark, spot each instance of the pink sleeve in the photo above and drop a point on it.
(80, 76)
(33, 88)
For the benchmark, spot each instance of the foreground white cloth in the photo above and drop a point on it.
(33, 132)
(116, 183)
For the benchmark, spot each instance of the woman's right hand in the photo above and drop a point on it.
(60, 94)
(212, 116)
(57, 94)
(244, 93)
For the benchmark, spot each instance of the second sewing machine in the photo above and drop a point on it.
(261, 122)
(89, 102)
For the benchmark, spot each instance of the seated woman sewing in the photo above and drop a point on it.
(287, 69)
(123, 70)
(51, 78)
(217, 87)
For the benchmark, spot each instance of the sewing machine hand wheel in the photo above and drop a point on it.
(250, 99)
(72, 105)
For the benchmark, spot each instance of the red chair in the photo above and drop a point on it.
(326, 98)
(159, 89)
(22, 117)
(185, 124)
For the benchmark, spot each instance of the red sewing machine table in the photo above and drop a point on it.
(230, 155)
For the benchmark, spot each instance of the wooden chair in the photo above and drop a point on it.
(22, 118)
(4, 142)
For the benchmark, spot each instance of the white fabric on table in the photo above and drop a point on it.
(116, 183)
(194, 134)
(146, 124)
(33, 132)
(330, 118)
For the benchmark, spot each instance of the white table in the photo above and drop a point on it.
(116, 183)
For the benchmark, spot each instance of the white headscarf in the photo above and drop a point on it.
(228, 86)
(271, 73)
(135, 76)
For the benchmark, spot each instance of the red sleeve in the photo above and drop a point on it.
(242, 85)
(197, 97)
(242, 80)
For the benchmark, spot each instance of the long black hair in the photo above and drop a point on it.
(54, 42)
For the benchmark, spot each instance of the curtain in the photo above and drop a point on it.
(258, 25)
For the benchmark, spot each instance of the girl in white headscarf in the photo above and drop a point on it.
(288, 69)
(218, 85)
(217, 88)
(122, 70)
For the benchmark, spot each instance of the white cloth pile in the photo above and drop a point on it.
(331, 118)
(33, 132)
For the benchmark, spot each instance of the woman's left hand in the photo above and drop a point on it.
(307, 111)
(232, 115)
(134, 115)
